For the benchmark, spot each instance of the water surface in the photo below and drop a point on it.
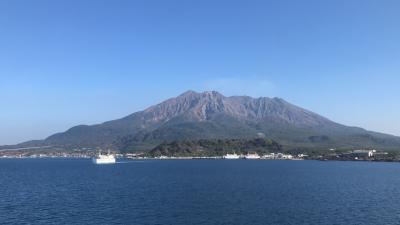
(181, 192)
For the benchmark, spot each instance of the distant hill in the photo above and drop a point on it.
(210, 115)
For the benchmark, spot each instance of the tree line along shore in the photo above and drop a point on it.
(215, 148)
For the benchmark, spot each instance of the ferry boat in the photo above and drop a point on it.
(231, 156)
(252, 156)
(104, 159)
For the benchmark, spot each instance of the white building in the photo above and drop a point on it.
(269, 156)
(277, 156)
(363, 153)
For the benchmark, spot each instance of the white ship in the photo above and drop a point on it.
(231, 156)
(104, 159)
(252, 156)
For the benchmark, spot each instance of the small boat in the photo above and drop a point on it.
(252, 156)
(104, 159)
(231, 156)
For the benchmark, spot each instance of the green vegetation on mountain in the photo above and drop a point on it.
(215, 147)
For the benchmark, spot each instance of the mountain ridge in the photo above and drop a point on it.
(209, 114)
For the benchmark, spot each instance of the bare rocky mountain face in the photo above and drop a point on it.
(210, 115)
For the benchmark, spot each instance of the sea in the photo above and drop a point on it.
(184, 192)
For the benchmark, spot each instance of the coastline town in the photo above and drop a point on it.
(352, 155)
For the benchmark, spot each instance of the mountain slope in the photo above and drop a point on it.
(211, 115)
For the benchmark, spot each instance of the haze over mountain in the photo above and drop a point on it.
(211, 115)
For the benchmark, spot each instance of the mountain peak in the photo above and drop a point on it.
(210, 114)
(188, 93)
(191, 93)
(212, 93)
(211, 104)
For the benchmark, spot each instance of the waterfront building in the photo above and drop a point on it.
(363, 153)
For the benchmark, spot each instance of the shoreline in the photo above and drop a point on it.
(203, 158)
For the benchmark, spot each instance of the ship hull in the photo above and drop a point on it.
(231, 156)
(103, 161)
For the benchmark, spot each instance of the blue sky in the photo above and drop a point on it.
(64, 63)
